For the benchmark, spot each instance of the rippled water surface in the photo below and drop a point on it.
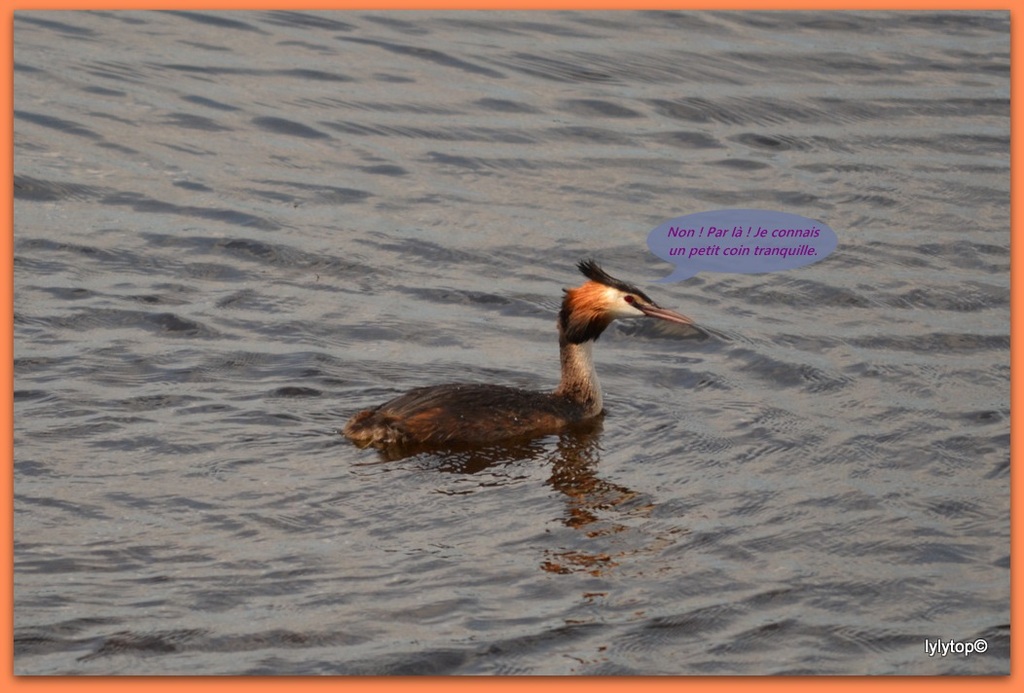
(234, 230)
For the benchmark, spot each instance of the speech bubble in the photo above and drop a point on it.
(743, 241)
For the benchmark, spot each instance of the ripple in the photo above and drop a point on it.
(54, 123)
(429, 55)
(283, 126)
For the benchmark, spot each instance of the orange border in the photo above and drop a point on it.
(546, 685)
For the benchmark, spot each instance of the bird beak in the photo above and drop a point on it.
(665, 314)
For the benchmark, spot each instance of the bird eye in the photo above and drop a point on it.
(629, 299)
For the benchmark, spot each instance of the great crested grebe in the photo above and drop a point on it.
(469, 414)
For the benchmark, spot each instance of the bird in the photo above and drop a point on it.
(471, 414)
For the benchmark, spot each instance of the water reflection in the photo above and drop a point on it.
(593, 504)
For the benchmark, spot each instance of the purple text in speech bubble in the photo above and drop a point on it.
(743, 241)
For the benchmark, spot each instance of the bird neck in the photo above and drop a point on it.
(579, 379)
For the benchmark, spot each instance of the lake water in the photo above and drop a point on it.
(235, 230)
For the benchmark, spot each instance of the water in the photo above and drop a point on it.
(234, 230)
